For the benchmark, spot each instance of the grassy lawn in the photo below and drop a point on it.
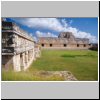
(83, 64)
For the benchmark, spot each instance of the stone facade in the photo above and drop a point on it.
(18, 48)
(65, 40)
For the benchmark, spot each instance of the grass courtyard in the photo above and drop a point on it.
(83, 64)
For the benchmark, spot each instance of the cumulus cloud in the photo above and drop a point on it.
(64, 23)
(80, 34)
(58, 25)
(46, 23)
(43, 34)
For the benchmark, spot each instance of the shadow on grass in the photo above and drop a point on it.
(93, 49)
(73, 56)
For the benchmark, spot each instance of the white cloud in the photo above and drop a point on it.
(56, 25)
(64, 23)
(43, 34)
(80, 34)
(46, 23)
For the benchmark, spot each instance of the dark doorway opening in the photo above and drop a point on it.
(77, 45)
(84, 45)
(42, 45)
(50, 45)
(65, 45)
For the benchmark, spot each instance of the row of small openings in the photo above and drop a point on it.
(65, 45)
(51, 45)
(43, 45)
(79, 45)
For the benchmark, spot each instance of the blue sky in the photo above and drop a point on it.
(51, 27)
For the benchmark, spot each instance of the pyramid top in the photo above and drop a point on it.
(67, 35)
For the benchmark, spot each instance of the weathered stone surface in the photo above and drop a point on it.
(66, 40)
(68, 76)
(18, 46)
(67, 35)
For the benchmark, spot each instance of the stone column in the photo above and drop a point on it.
(16, 62)
(33, 54)
(30, 54)
(26, 59)
(23, 60)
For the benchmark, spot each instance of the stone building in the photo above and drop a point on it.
(18, 48)
(65, 40)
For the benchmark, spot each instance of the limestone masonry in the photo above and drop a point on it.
(18, 48)
(65, 40)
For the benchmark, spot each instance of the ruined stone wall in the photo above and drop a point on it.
(18, 48)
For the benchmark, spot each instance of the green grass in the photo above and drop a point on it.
(27, 76)
(83, 64)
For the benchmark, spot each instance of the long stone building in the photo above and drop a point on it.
(65, 40)
(18, 48)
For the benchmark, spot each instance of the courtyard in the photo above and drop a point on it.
(83, 64)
